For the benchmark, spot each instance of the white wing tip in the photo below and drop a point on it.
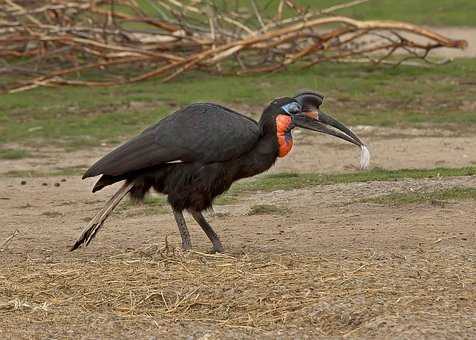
(364, 157)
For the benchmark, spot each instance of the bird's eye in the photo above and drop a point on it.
(291, 108)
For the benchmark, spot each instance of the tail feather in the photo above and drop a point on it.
(88, 234)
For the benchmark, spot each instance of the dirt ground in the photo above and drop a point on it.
(391, 148)
(324, 265)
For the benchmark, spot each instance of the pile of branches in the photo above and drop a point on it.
(108, 42)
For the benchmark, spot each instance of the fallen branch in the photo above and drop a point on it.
(108, 42)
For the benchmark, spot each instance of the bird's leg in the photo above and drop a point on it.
(207, 228)
(182, 226)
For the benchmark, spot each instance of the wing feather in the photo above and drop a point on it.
(200, 132)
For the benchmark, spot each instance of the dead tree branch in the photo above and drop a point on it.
(107, 42)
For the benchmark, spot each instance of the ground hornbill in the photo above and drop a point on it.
(196, 153)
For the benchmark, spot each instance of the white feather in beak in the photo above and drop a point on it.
(364, 157)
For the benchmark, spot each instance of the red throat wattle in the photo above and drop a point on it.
(283, 132)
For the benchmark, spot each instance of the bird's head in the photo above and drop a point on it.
(303, 110)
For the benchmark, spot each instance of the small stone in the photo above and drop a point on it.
(57, 184)
(23, 182)
(44, 184)
(63, 180)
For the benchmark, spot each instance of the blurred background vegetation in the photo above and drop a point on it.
(77, 117)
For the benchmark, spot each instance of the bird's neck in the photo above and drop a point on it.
(260, 158)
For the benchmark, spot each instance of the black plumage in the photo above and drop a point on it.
(186, 136)
(194, 155)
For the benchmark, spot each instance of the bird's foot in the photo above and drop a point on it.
(217, 248)
(186, 246)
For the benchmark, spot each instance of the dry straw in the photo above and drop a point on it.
(255, 292)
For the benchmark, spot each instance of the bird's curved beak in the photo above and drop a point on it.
(313, 118)
(322, 122)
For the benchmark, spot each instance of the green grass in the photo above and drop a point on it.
(427, 12)
(78, 117)
(289, 181)
(12, 154)
(157, 201)
(150, 206)
(161, 201)
(267, 209)
(157, 204)
(437, 197)
(58, 172)
(225, 200)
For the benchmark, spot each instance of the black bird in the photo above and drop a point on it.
(196, 153)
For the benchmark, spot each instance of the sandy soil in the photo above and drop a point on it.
(391, 148)
(326, 265)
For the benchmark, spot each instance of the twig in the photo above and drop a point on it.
(60, 42)
(8, 240)
(258, 14)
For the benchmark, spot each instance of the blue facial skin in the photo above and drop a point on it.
(291, 108)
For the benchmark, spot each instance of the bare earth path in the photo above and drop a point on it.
(391, 148)
(325, 264)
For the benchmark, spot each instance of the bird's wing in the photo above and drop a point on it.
(200, 132)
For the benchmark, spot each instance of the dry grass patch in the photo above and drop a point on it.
(258, 292)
